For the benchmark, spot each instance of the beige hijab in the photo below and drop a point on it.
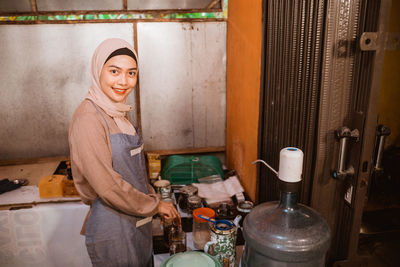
(117, 111)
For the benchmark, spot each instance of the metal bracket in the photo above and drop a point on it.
(370, 41)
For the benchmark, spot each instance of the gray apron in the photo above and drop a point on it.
(112, 238)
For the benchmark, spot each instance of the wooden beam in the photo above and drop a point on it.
(32, 160)
(34, 6)
(137, 88)
(25, 22)
(213, 3)
(199, 150)
(118, 11)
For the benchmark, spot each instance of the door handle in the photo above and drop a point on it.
(344, 135)
(382, 132)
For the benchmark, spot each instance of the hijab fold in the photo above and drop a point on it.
(116, 110)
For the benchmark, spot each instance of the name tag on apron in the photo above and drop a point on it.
(143, 221)
(136, 151)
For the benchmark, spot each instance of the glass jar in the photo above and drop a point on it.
(186, 192)
(201, 230)
(170, 226)
(177, 241)
(193, 202)
(169, 200)
(244, 209)
(163, 188)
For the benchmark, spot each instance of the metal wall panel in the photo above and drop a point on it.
(348, 98)
(169, 4)
(293, 43)
(60, 5)
(15, 6)
(182, 84)
(44, 76)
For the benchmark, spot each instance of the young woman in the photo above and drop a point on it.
(108, 164)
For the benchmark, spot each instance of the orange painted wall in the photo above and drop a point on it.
(389, 95)
(243, 89)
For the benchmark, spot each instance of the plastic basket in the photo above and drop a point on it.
(189, 168)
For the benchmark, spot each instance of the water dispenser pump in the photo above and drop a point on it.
(285, 233)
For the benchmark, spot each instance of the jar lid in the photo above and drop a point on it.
(190, 258)
(162, 183)
(194, 199)
(188, 190)
(203, 211)
(245, 206)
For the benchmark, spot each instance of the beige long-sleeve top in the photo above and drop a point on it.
(91, 164)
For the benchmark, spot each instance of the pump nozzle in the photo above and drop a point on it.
(290, 164)
(266, 164)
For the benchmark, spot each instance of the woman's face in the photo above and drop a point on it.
(118, 77)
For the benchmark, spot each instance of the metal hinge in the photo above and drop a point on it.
(371, 41)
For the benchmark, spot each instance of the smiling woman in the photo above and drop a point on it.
(108, 164)
(118, 77)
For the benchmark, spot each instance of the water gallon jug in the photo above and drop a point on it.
(285, 233)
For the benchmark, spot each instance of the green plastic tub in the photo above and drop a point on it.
(188, 169)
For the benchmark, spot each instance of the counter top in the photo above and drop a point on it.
(29, 195)
(33, 170)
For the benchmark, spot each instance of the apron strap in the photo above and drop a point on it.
(101, 114)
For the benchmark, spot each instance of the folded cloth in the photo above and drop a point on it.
(233, 186)
(219, 191)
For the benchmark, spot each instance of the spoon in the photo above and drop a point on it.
(206, 218)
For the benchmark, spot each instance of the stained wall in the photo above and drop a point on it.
(45, 74)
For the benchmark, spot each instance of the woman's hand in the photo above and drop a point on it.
(168, 211)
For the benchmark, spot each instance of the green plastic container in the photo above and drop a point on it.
(188, 169)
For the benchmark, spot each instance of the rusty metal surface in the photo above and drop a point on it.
(59, 5)
(15, 6)
(44, 78)
(32, 22)
(182, 84)
(171, 4)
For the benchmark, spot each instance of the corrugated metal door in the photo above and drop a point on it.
(319, 85)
